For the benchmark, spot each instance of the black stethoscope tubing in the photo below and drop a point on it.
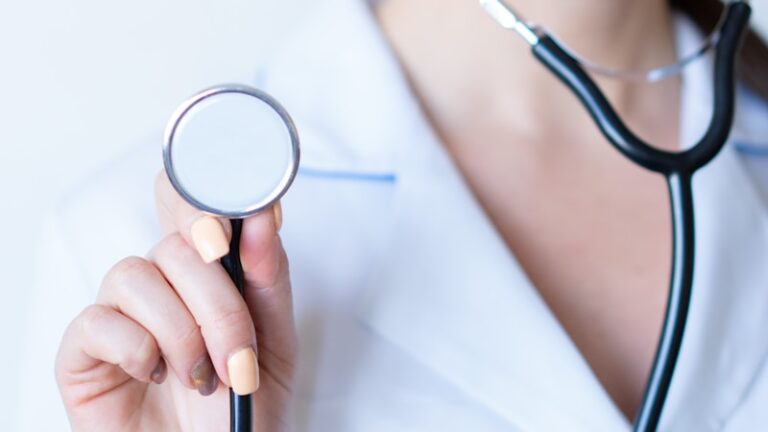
(678, 168)
(240, 407)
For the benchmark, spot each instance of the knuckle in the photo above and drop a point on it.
(92, 318)
(140, 361)
(127, 274)
(234, 321)
(126, 270)
(185, 337)
(172, 247)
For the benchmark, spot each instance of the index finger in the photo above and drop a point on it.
(208, 234)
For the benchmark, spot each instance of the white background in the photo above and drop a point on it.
(81, 81)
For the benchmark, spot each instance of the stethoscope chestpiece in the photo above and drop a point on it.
(231, 151)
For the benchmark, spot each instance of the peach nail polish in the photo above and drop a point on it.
(209, 239)
(243, 370)
(278, 209)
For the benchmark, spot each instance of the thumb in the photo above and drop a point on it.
(260, 247)
(268, 289)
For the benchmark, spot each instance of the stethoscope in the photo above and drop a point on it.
(677, 167)
(233, 151)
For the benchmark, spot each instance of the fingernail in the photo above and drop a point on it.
(204, 376)
(209, 238)
(158, 375)
(278, 209)
(244, 371)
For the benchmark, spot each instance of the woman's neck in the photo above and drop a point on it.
(530, 154)
(463, 65)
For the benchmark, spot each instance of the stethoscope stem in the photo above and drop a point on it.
(677, 167)
(240, 407)
(678, 302)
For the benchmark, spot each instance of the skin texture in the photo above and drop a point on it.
(175, 305)
(591, 229)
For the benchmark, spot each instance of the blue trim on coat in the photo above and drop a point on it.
(347, 175)
(743, 148)
(751, 149)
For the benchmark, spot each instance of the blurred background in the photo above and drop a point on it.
(82, 81)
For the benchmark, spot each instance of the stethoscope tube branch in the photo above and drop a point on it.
(569, 71)
(732, 34)
(240, 407)
(678, 168)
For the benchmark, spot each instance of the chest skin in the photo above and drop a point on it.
(592, 231)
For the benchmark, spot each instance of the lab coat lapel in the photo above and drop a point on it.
(725, 345)
(448, 291)
(451, 295)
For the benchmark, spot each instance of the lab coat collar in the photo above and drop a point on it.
(451, 295)
(345, 91)
(449, 292)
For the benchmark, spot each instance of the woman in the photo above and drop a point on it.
(449, 268)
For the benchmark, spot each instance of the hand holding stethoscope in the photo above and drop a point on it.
(171, 333)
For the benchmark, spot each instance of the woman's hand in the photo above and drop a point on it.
(169, 333)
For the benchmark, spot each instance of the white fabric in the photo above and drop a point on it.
(412, 314)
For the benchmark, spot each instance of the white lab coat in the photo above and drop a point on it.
(412, 313)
